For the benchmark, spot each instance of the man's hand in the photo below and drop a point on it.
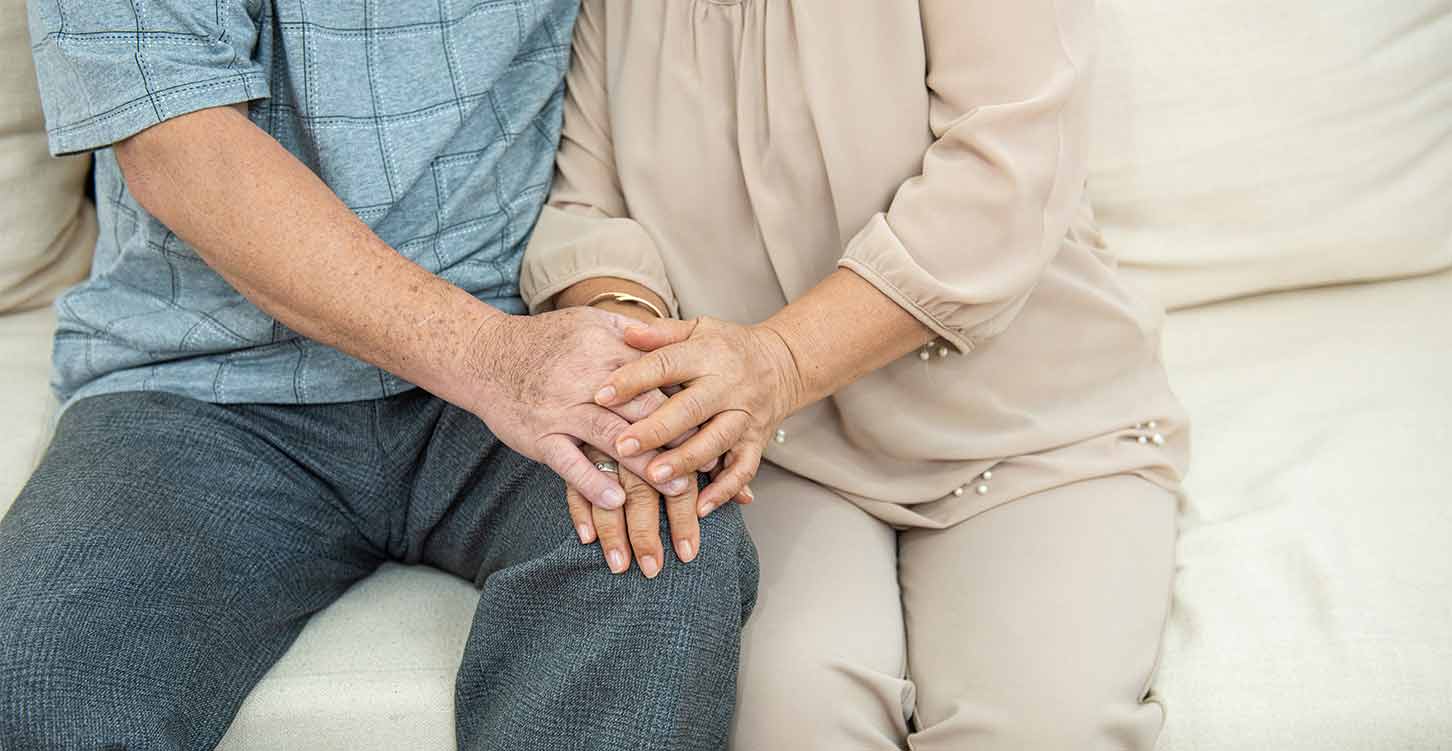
(740, 383)
(532, 381)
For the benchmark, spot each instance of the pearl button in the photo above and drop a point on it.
(958, 491)
(988, 475)
(942, 352)
(780, 436)
(1143, 440)
(981, 490)
(1152, 424)
(924, 356)
(1158, 439)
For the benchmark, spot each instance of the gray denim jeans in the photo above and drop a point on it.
(167, 551)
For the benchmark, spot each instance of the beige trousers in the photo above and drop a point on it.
(1035, 625)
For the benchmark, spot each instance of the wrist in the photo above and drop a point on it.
(474, 378)
(787, 370)
(631, 310)
(591, 291)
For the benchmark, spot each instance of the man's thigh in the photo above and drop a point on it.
(162, 556)
(564, 653)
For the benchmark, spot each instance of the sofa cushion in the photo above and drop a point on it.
(1312, 607)
(1243, 146)
(25, 400)
(375, 671)
(47, 225)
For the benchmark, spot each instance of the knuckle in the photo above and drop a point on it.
(663, 362)
(718, 441)
(609, 523)
(606, 426)
(683, 505)
(641, 495)
(572, 469)
(644, 537)
(651, 401)
(554, 454)
(653, 430)
(702, 453)
(692, 404)
(739, 476)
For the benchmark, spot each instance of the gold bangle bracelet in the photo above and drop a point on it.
(625, 297)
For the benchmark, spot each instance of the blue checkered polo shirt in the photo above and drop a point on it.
(435, 121)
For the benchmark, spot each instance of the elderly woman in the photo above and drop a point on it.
(872, 219)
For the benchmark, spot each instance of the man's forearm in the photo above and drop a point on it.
(277, 233)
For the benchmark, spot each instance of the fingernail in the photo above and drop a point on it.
(685, 550)
(677, 486)
(706, 509)
(584, 531)
(661, 473)
(614, 497)
(746, 491)
(605, 395)
(617, 560)
(649, 566)
(628, 447)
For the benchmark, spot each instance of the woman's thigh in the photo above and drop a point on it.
(823, 654)
(1038, 624)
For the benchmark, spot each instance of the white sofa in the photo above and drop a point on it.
(1313, 608)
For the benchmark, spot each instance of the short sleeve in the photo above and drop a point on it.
(109, 69)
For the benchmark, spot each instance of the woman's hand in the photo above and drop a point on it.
(739, 383)
(635, 527)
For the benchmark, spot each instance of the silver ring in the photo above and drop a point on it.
(607, 465)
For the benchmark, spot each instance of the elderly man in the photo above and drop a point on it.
(299, 356)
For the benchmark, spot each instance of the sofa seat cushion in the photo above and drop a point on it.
(25, 400)
(374, 672)
(1312, 608)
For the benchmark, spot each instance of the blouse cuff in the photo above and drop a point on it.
(877, 255)
(569, 247)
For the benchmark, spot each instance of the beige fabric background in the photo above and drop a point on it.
(1242, 146)
(47, 227)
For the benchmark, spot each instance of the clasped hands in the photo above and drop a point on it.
(577, 386)
(729, 387)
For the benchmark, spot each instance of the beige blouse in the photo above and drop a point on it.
(730, 154)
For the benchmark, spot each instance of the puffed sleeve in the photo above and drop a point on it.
(963, 244)
(109, 69)
(584, 231)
